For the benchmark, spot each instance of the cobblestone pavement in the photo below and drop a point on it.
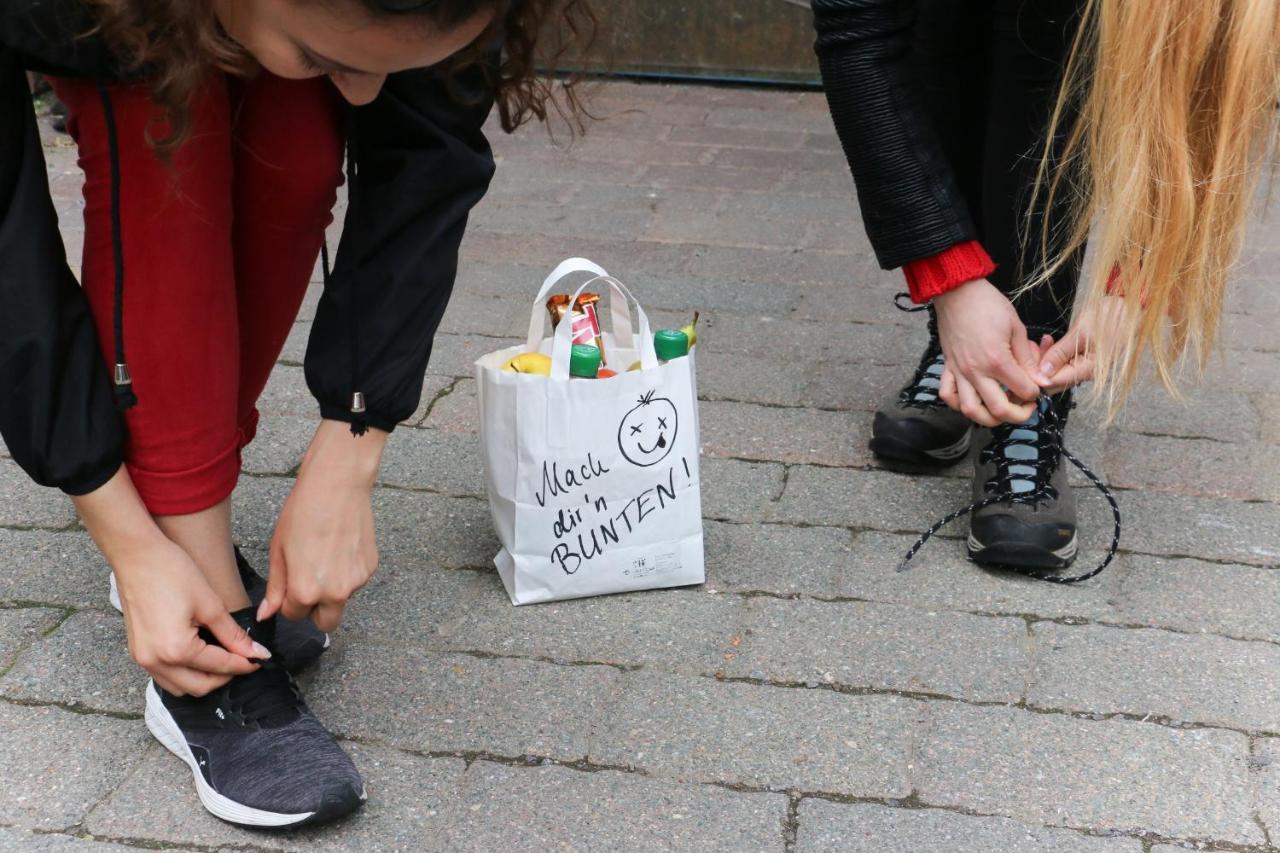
(807, 697)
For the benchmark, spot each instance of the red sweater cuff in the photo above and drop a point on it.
(934, 276)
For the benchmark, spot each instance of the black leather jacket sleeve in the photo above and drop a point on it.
(57, 414)
(911, 204)
(422, 163)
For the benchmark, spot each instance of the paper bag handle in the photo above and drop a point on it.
(562, 343)
(619, 311)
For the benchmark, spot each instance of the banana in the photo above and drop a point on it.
(529, 362)
(691, 330)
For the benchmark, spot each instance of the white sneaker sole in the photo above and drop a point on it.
(114, 597)
(165, 729)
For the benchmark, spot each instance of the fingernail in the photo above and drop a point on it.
(260, 651)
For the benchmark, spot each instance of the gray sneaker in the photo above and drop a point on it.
(258, 756)
(914, 430)
(1035, 528)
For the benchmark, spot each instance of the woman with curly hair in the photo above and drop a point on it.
(213, 134)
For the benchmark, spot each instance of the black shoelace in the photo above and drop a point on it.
(1026, 457)
(267, 697)
(922, 391)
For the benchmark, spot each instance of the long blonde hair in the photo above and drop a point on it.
(1166, 118)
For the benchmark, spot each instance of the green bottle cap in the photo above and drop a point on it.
(670, 343)
(584, 361)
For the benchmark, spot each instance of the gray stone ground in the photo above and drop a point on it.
(807, 697)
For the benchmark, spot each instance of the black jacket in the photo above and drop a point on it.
(911, 204)
(419, 163)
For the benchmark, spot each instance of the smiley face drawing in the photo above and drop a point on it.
(648, 431)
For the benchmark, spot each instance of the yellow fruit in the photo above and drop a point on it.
(530, 362)
(691, 330)
(635, 366)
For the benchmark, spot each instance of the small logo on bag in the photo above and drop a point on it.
(648, 432)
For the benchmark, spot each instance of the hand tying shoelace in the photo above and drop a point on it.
(1026, 457)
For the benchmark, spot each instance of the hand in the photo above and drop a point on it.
(324, 548)
(986, 347)
(165, 597)
(165, 600)
(1070, 361)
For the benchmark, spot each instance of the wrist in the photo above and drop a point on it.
(344, 458)
(117, 520)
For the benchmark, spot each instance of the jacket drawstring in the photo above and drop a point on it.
(122, 380)
(359, 418)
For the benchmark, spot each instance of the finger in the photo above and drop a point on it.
(1046, 343)
(1018, 372)
(328, 615)
(217, 661)
(277, 576)
(1060, 354)
(947, 389)
(183, 681)
(232, 637)
(999, 404)
(293, 610)
(1072, 374)
(971, 404)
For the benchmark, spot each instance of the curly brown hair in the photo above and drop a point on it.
(176, 43)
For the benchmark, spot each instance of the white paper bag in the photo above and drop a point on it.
(593, 483)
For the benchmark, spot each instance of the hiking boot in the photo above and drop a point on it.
(258, 756)
(1033, 524)
(914, 430)
(299, 643)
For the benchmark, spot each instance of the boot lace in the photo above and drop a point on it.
(1026, 457)
(267, 697)
(922, 391)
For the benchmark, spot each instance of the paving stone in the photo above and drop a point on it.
(1265, 763)
(1065, 771)
(440, 531)
(455, 411)
(280, 444)
(548, 808)
(751, 379)
(412, 604)
(1192, 595)
(723, 137)
(1205, 413)
(58, 764)
(764, 267)
(699, 729)
(1195, 679)
(711, 178)
(673, 630)
(725, 229)
(883, 646)
(806, 436)
(769, 119)
(854, 387)
(1246, 471)
(775, 558)
(1204, 527)
(445, 462)
(868, 299)
(25, 504)
(942, 577)
(409, 800)
(62, 569)
(739, 491)
(433, 702)
(455, 355)
(21, 626)
(567, 222)
(885, 829)
(1244, 370)
(1268, 406)
(17, 839)
(83, 664)
(867, 499)
(294, 352)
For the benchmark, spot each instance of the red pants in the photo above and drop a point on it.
(219, 245)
